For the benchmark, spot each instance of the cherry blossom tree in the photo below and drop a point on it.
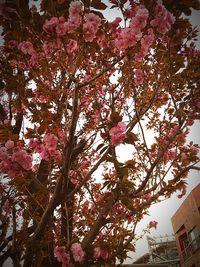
(76, 90)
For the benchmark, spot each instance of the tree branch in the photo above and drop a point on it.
(102, 72)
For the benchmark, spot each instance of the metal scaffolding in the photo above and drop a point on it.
(162, 250)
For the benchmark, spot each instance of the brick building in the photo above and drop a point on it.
(186, 225)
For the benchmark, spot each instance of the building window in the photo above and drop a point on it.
(194, 239)
(193, 234)
(185, 247)
(183, 241)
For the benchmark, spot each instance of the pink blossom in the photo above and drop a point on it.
(14, 164)
(55, 153)
(117, 134)
(21, 65)
(72, 24)
(124, 39)
(77, 252)
(3, 154)
(74, 20)
(45, 154)
(72, 46)
(47, 83)
(153, 224)
(49, 47)
(61, 135)
(147, 197)
(49, 25)
(139, 21)
(39, 148)
(33, 143)
(104, 254)
(90, 27)
(27, 164)
(75, 218)
(139, 76)
(9, 144)
(97, 252)
(62, 256)
(22, 158)
(61, 29)
(61, 19)
(100, 253)
(163, 18)
(12, 43)
(75, 8)
(183, 191)
(114, 24)
(73, 177)
(50, 141)
(42, 99)
(26, 47)
(146, 42)
(128, 37)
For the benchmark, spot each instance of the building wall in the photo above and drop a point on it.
(186, 225)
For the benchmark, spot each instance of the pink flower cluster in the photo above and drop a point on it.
(57, 24)
(163, 18)
(73, 177)
(51, 46)
(72, 46)
(114, 24)
(147, 197)
(14, 160)
(170, 155)
(60, 25)
(139, 77)
(100, 253)
(91, 26)
(48, 148)
(75, 16)
(27, 48)
(62, 256)
(78, 253)
(118, 134)
(146, 42)
(153, 224)
(84, 167)
(183, 191)
(128, 37)
(139, 21)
